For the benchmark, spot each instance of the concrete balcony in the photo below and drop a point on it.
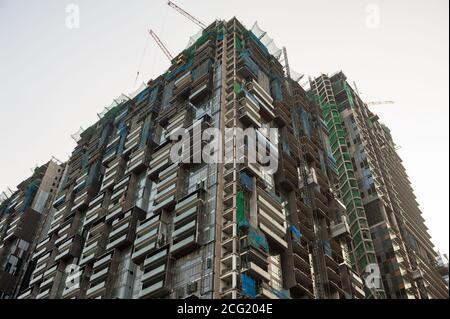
(304, 279)
(133, 139)
(339, 230)
(287, 175)
(23, 226)
(120, 189)
(80, 202)
(309, 150)
(255, 271)
(123, 228)
(184, 246)
(282, 114)
(27, 294)
(159, 161)
(138, 161)
(301, 263)
(70, 248)
(248, 112)
(247, 68)
(103, 271)
(97, 209)
(155, 290)
(150, 235)
(112, 173)
(271, 219)
(264, 98)
(95, 243)
(156, 258)
(200, 89)
(182, 83)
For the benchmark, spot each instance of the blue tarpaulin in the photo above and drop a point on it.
(248, 286)
(246, 181)
(296, 234)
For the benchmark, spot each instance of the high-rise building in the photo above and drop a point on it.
(130, 222)
(381, 207)
(218, 179)
(23, 216)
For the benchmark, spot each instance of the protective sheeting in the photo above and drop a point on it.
(122, 99)
(273, 49)
(248, 286)
(295, 75)
(141, 88)
(194, 38)
(77, 135)
(268, 42)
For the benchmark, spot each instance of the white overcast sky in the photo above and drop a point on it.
(54, 79)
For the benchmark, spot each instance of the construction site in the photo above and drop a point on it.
(120, 220)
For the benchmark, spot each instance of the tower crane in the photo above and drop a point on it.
(161, 45)
(187, 15)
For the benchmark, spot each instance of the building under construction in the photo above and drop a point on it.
(23, 215)
(382, 210)
(129, 222)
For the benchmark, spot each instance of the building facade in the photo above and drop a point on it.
(387, 220)
(162, 197)
(22, 218)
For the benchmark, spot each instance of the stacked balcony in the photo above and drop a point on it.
(177, 121)
(246, 67)
(4, 221)
(112, 173)
(59, 217)
(47, 287)
(309, 151)
(67, 230)
(193, 154)
(185, 230)
(118, 198)
(160, 159)
(123, 228)
(43, 247)
(23, 225)
(252, 167)
(133, 137)
(95, 244)
(183, 83)
(271, 218)
(97, 209)
(43, 260)
(104, 270)
(69, 248)
(167, 188)
(13, 226)
(201, 86)
(151, 234)
(248, 110)
(155, 283)
(282, 113)
(264, 100)
(138, 161)
(287, 174)
(111, 148)
(333, 272)
(254, 254)
(321, 204)
(75, 286)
